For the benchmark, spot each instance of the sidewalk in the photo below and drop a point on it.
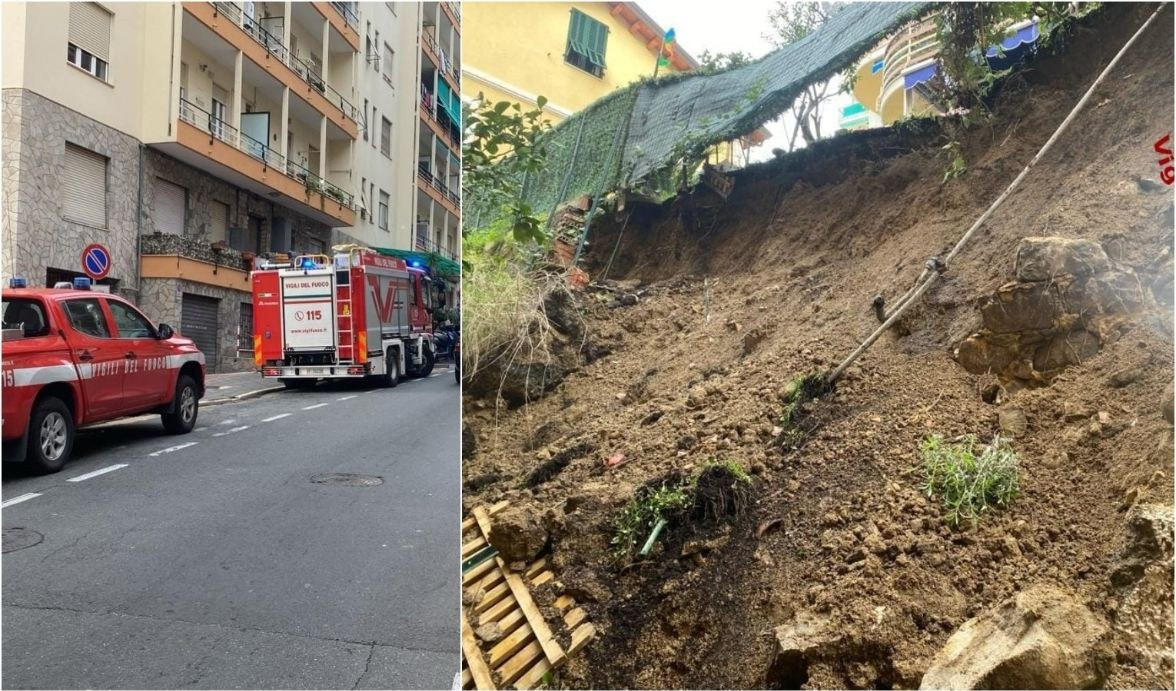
(236, 386)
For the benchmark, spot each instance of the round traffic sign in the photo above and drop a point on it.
(96, 261)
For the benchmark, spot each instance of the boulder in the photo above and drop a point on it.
(1020, 307)
(806, 638)
(1041, 638)
(1013, 423)
(518, 534)
(1046, 258)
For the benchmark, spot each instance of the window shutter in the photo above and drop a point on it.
(599, 41)
(218, 228)
(89, 28)
(388, 59)
(386, 137)
(170, 203)
(84, 187)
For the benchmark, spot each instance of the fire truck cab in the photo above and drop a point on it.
(353, 314)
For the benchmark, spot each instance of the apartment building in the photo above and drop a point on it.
(190, 137)
(438, 160)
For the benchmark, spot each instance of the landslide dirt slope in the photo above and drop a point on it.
(786, 271)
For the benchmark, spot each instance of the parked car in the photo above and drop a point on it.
(76, 357)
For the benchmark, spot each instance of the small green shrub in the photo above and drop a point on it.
(797, 392)
(642, 512)
(969, 478)
(734, 467)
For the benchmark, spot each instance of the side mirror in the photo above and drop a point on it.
(165, 332)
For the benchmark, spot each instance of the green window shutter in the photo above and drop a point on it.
(587, 37)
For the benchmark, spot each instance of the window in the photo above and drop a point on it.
(363, 203)
(365, 120)
(386, 137)
(389, 54)
(375, 51)
(373, 121)
(171, 203)
(130, 324)
(587, 39)
(245, 328)
(89, 38)
(383, 210)
(218, 226)
(84, 187)
(26, 315)
(85, 316)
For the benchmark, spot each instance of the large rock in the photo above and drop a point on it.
(807, 638)
(1047, 258)
(1041, 638)
(518, 534)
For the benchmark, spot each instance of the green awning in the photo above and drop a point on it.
(438, 264)
(449, 101)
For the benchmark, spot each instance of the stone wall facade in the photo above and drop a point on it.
(162, 300)
(35, 236)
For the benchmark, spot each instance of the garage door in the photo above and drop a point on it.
(198, 322)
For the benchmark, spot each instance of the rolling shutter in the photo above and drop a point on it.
(198, 322)
(170, 203)
(84, 187)
(89, 28)
(218, 227)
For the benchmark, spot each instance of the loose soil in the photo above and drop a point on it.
(738, 298)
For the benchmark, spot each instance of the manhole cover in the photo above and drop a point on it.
(350, 479)
(19, 538)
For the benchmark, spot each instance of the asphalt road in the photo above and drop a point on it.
(211, 560)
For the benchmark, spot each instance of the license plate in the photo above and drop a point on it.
(318, 371)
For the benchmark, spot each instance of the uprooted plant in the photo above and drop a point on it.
(797, 392)
(967, 477)
(720, 490)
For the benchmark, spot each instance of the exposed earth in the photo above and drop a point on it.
(841, 572)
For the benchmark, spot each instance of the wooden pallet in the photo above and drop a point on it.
(528, 651)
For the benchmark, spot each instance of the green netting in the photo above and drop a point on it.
(634, 136)
(440, 266)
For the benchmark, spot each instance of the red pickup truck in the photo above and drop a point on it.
(78, 357)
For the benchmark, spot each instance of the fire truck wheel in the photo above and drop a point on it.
(430, 360)
(391, 377)
(186, 405)
(50, 435)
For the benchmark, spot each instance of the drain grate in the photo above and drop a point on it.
(19, 538)
(347, 479)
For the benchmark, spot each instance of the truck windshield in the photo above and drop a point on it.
(25, 314)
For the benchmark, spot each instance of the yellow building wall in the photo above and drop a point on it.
(524, 52)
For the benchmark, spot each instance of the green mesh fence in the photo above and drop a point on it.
(635, 136)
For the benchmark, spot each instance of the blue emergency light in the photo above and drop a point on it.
(81, 283)
(18, 282)
(414, 262)
(307, 263)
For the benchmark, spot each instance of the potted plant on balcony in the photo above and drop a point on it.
(247, 258)
(219, 246)
(312, 185)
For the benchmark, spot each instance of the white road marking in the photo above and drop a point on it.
(348, 398)
(177, 447)
(17, 500)
(277, 417)
(436, 374)
(317, 405)
(96, 473)
(228, 422)
(235, 429)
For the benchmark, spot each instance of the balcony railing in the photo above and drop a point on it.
(424, 244)
(349, 15)
(424, 174)
(452, 133)
(916, 43)
(206, 122)
(455, 9)
(274, 46)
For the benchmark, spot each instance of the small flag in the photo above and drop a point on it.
(667, 49)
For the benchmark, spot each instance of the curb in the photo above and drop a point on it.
(242, 396)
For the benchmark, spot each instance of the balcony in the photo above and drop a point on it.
(182, 257)
(443, 127)
(211, 144)
(438, 190)
(454, 11)
(446, 67)
(343, 20)
(244, 33)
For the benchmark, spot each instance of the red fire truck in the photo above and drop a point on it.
(354, 314)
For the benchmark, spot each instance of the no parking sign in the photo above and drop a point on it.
(96, 261)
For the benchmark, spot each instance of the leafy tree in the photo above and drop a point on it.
(792, 21)
(718, 62)
(503, 143)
